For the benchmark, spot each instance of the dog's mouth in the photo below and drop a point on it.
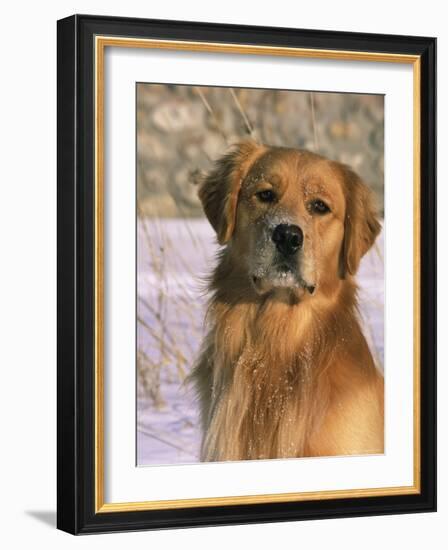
(282, 277)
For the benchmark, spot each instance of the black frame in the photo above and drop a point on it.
(75, 428)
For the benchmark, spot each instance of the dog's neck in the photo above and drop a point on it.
(278, 320)
(269, 354)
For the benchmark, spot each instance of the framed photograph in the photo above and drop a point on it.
(246, 274)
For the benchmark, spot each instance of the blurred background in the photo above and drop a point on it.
(181, 130)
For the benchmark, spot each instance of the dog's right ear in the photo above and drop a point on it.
(220, 189)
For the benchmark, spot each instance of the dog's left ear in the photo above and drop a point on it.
(361, 225)
(219, 190)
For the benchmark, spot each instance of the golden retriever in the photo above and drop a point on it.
(285, 370)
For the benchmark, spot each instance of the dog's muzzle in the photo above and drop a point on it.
(280, 260)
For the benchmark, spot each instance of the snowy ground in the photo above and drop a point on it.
(174, 256)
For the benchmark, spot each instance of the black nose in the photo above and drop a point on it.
(287, 238)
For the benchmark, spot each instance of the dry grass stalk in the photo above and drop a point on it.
(250, 129)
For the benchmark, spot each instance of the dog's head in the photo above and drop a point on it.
(295, 220)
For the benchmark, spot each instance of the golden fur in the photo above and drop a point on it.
(285, 370)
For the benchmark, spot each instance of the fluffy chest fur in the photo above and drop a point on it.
(265, 378)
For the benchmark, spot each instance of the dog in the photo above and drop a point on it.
(285, 370)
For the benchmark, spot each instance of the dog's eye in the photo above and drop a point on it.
(318, 207)
(266, 196)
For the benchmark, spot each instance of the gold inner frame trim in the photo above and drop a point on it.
(101, 42)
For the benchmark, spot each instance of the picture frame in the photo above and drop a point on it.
(82, 240)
